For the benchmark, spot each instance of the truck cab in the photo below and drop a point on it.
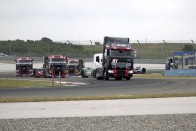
(24, 66)
(74, 66)
(117, 59)
(56, 65)
(97, 60)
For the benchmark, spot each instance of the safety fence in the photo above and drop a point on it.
(143, 49)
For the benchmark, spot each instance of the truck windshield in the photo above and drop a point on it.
(24, 62)
(124, 53)
(73, 63)
(57, 61)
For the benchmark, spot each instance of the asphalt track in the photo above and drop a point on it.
(137, 114)
(76, 86)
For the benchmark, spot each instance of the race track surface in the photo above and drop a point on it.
(76, 86)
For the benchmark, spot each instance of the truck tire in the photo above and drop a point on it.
(106, 77)
(82, 73)
(94, 73)
(98, 78)
(128, 78)
(118, 78)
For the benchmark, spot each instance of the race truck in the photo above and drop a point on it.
(117, 59)
(74, 66)
(24, 66)
(56, 65)
(97, 62)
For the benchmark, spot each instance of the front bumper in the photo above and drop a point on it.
(120, 73)
(24, 72)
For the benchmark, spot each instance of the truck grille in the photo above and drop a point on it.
(120, 72)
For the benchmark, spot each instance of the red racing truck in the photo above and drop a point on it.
(75, 65)
(24, 66)
(117, 59)
(56, 65)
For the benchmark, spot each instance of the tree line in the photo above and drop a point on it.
(45, 46)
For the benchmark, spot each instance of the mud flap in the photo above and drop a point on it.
(115, 73)
(126, 73)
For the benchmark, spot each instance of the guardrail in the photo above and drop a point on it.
(180, 72)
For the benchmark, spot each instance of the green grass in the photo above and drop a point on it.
(11, 83)
(134, 96)
(39, 48)
(157, 50)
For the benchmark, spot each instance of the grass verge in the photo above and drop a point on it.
(12, 83)
(160, 76)
(134, 96)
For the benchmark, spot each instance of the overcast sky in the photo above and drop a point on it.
(94, 19)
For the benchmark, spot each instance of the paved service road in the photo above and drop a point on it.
(134, 114)
(92, 87)
(179, 105)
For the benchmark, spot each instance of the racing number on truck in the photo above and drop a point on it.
(114, 60)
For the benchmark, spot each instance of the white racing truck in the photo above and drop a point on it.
(89, 71)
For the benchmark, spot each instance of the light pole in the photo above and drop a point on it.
(48, 48)
(138, 48)
(193, 51)
(193, 43)
(10, 49)
(69, 47)
(164, 47)
(91, 48)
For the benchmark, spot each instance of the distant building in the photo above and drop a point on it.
(190, 54)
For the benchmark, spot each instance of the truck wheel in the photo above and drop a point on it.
(128, 78)
(82, 74)
(105, 76)
(118, 78)
(94, 73)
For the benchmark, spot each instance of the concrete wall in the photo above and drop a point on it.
(180, 72)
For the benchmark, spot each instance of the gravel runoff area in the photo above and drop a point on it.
(170, 122)
(134, 114)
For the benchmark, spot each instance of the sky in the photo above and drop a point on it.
(93, 19)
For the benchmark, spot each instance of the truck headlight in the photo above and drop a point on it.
(110, 71)
(65, 71)
(50, 71)
(130, 72)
